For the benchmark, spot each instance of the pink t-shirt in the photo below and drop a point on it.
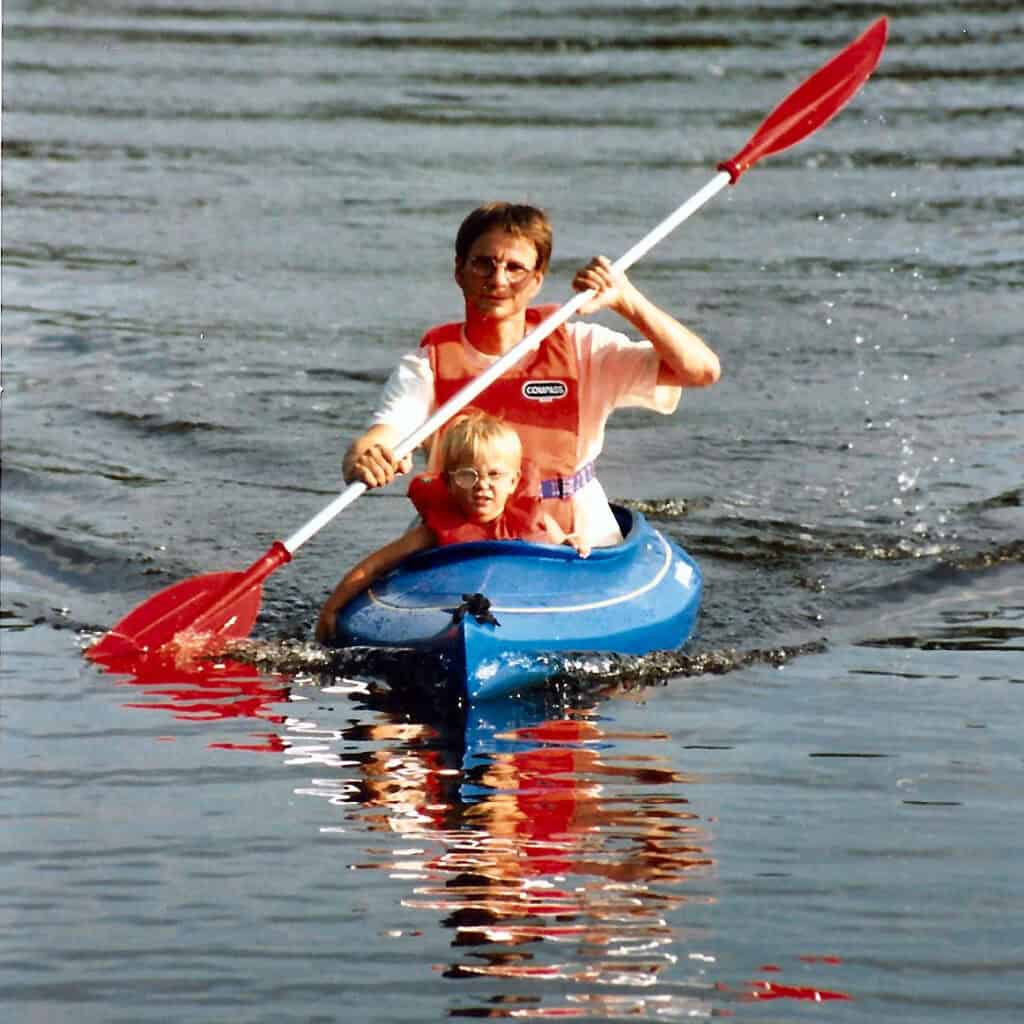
(615, 373)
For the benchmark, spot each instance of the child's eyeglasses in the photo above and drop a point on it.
(467, 478)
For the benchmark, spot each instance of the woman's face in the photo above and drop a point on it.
(482, 486)
(499, 279)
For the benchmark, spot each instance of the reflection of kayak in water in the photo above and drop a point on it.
(497, 611)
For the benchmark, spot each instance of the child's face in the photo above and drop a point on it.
(481, 486)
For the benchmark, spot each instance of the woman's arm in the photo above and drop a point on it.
(371, 458)
(405, 403)
(358, 578)
(686, 361)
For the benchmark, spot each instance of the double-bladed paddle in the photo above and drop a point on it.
(225, 604)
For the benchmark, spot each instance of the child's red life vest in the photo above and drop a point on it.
(523, 518)
(539, 397)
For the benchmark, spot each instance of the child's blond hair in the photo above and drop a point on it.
(475, 434)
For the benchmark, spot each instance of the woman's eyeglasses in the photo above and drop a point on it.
(485, 266)
(467, 478)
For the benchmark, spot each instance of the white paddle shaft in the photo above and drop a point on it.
(519, 351)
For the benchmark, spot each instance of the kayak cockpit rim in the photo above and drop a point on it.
(517, 549)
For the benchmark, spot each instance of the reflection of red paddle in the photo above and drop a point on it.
(226, 604)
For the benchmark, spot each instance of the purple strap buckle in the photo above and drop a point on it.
(567, 486)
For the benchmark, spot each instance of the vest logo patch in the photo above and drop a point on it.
(545, 390)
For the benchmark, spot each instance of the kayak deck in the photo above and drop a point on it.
(498, 610)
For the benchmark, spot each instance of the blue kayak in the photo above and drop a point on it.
(500, 612)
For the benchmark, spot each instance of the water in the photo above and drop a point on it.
(221, 225)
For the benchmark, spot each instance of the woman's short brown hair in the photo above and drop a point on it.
(519, 219)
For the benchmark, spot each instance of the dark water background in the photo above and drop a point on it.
(222, 223)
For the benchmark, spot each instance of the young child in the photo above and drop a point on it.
(484, 492)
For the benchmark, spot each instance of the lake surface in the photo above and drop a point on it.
(222, 225)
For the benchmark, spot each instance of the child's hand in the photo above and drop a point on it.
(575, 541)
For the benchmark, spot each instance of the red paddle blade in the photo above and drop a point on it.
(156, 621)
(220, 605)
(813, 103)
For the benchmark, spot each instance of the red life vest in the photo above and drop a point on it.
(539, 397)
(523, 518)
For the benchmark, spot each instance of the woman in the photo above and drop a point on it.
(559, 397)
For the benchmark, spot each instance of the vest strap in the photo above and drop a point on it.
(567, 486)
